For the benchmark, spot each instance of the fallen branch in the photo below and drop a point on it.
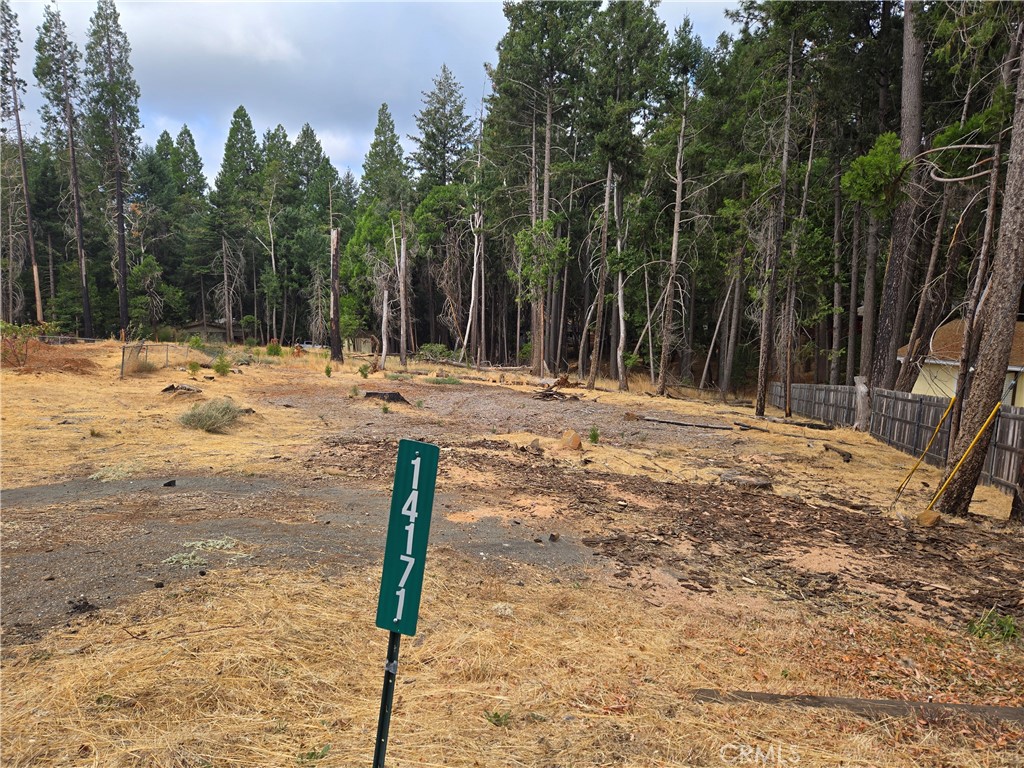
(847, 456)
(686, 423)
(745, 427)
(870, 707)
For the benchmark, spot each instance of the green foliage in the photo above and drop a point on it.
(445, 132)
(541, 253)
(327, 370)
(995, 626)
(274, 349)
(385, 173)
(193, 367)
(526, 352)
(875, 178)
(196, 342)
(385, 409)
(251, 342)
(222, 366)
(434, 352)
(443, 380)
(213, 416)
(632, 362)
(364, 370)
(498, 719)
(314, 755)
(594, 435)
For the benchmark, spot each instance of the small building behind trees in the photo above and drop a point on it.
(940, 370)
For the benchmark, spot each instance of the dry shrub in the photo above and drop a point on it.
(268, 668)
(213, 416)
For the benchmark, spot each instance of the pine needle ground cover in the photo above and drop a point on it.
(284, 668)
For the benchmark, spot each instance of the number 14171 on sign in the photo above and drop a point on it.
(405, 552)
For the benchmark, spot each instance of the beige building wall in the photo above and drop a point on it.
(940, 381)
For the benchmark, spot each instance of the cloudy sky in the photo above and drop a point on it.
(330, 64)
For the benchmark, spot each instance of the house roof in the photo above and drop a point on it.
(948, 340)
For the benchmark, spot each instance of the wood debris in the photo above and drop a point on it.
(847, 456)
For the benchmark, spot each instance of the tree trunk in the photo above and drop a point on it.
(837, 286)
(734, 322)
(385, 317)
(16, 106)
(892, 315)
(336, 350)
(788, 338)
(122, 252)
(771, 267)
(851, 327)
(229, 330)
(670, 280)
(76, 195)
(714, 338)
(602, 277)
(1000, 315)
(403, 306)
(867, 333)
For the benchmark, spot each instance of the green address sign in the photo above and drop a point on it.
(405, 552)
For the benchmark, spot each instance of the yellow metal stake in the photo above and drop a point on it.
(906, 480)
(967, 453)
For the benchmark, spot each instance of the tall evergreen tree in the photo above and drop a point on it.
(385, 173)
(445, 132)
(11, 88)
(112, 120)
(57, 72)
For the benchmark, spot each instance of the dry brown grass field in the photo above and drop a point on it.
(173, 597)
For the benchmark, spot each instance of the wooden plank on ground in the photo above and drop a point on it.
(870, 707)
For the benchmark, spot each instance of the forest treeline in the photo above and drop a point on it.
(797, 201)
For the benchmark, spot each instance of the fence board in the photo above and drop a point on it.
(906, 422)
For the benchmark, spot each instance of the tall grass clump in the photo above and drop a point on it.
(213, 416)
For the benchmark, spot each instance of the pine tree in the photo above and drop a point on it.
(385, 173)
(11, 88)
(57, 73)
(446, 132)
(234, 200)
(112, 121)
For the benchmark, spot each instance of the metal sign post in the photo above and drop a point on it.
(405, 553)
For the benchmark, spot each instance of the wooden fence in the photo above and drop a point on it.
(907, 421)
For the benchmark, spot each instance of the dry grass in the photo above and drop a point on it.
(248, 669)
(213, 416)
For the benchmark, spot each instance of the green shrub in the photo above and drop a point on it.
(631, 361)
(195, 341)
(443, 380)
(193, 367)
(364, 370)
(327, 370)
(165, 334)
(274, 348)
(250, 342)
(222, 365)
(594, 435)
(435, 352)
(213, 416)
(384, 408)
(526, 352)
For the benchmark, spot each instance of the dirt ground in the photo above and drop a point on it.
(815, 582)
